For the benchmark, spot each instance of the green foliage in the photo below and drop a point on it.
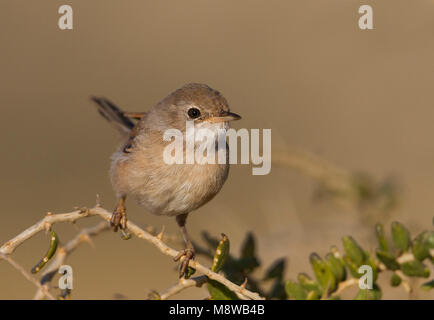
(221, 254)
(240, 269)
(337, 267)
(54, 241)
(388, 259)
(295, 290)
(401, 236)
(323, 273)
(396, 280)
(353, 250)
(332, 274)
(219, 291)
(381, 238)
(415, 268)
(428, 285)
(308, 284)
(352, 267)
(369, 294)
(422, 244)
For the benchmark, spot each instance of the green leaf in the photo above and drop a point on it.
(387, 259)
(295, 291)
(219, 291)
(369, 294)
(395, 280)
(353, 250)
(276, 270)
(354, 269)
(382, 242)
(419, 248)
(323, 274)
(54, 241)
(415, 268)
(401, 236)
(307, 283)
(373, 264)
(221, 253)
(428, 285)
(313, 295)
(428, 239)
(337, 267)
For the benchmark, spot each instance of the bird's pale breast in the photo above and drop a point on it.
(165, 189)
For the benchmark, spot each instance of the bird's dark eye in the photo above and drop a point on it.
(193, 113)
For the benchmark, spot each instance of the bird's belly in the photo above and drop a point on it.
(167, 189)
(181, 189)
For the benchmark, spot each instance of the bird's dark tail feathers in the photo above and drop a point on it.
(114, 115)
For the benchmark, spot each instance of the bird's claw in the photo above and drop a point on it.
(119, 219)
(188, 255)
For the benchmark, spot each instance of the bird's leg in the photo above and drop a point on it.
(119, 216)
(189, 252)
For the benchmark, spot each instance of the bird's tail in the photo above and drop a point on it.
(114, 115)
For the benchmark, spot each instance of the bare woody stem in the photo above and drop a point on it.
(50, 219)
(64, 251)
(27, 275)
(183, 284)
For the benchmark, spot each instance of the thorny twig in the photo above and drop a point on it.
(50, 219)
(183, 284)
(345, 284)
(27, 275)
(64, 251)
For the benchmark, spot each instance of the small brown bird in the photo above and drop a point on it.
(138, 169)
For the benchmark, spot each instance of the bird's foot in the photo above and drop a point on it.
(119, 218)
(188, 255)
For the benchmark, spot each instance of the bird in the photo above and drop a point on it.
(139, 171)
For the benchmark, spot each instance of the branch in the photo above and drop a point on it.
(10, 246)
(64, 251)
(346, 284)
(27, 275)
(182, 285)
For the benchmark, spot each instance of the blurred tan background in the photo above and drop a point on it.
(361, 99)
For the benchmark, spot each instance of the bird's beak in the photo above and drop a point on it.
(227, 116)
